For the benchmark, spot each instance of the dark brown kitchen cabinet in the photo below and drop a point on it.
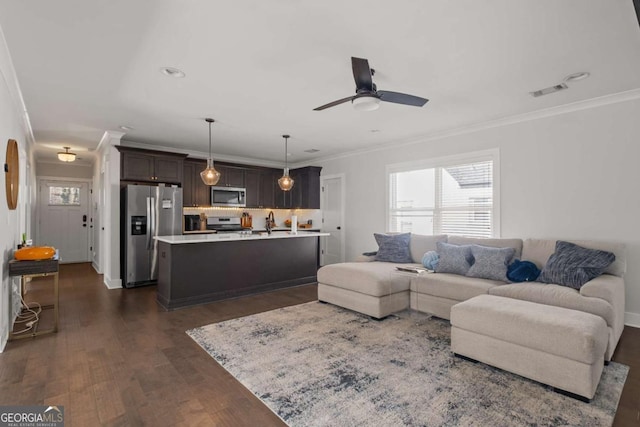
(230, 176)
(194, 191)
(305, 193)
(150, 166)
(260, 187)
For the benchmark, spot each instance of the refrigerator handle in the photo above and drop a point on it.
(149, 223)
(154, 225)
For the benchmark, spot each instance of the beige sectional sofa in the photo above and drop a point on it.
(377, 289)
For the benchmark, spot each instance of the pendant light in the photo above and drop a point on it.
(66, 156)
(285, 182)
(210, 176)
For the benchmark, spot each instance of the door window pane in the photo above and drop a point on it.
(64, 196)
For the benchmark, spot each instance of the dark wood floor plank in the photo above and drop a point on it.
(119, 360)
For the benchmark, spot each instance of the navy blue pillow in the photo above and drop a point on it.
(522, 271)
(393, 247)
(573, 266)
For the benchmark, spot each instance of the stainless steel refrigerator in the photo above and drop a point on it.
(146, 212)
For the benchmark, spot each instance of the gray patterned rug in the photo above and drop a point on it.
(319, 365)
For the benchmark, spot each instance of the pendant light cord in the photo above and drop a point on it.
(210, 160)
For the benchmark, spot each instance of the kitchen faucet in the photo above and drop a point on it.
(271, 222)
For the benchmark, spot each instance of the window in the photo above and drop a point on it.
(64, 196)
(453, 195)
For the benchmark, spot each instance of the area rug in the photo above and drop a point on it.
(316, 364)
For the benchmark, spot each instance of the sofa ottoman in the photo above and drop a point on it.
(560, 347)
(372, 288)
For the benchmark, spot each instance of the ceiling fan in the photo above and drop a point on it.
(367, 95)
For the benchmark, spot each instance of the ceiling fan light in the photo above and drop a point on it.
(366, 103)
(66, 156)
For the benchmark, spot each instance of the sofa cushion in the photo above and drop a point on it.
(393, 247)
(559, 296)
(490, 263)
(451, 286)
(421, 244)
(494, 243)
(539, 251)
(572, 265)
(453, 258)
(370, 278)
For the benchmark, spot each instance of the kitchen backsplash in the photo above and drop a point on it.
(259, 215)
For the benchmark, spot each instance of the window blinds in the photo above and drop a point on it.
(453, 199)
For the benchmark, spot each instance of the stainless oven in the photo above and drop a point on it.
(234, 197)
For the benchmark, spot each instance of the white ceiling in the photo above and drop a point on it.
(260, 67)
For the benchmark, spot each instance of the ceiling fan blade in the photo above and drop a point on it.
(401, 98)
(334, 103)
(362, 74)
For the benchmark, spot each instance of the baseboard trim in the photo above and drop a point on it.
(112, 283)
(96, 267)
(632, 319)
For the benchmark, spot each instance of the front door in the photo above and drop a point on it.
(63, 209)
(332, 247)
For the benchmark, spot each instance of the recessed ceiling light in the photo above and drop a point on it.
(576, 77)
(172, 72)
(123, 127)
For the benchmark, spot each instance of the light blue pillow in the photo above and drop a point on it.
(430, 260)
(393, 247)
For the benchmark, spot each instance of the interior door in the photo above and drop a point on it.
(64, 221)
(332, 247)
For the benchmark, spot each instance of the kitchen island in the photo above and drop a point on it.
(196, 269)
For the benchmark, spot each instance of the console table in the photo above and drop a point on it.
(40, 268)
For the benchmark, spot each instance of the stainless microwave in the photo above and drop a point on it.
(234, 197)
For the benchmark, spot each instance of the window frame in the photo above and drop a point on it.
(492, 154)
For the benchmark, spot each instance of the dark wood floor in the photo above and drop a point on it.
(120, 360)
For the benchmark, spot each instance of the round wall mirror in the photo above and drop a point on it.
(12, 173)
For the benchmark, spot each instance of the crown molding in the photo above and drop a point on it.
(203, 155)
(616, 98)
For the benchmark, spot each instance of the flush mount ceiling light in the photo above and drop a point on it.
(366, 103)
(285, 182)
(576, 77)
(125, 128)
(66, 156)
(172, 72)
(210, 176)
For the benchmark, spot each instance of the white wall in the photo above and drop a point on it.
(66, 170)
(107, 181)
(573, 175)
(13, 125)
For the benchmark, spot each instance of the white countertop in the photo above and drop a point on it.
(227, 237)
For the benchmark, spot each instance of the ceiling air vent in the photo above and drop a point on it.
(548, 90)
(312, 150)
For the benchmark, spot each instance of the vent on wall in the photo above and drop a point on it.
(548, 90)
